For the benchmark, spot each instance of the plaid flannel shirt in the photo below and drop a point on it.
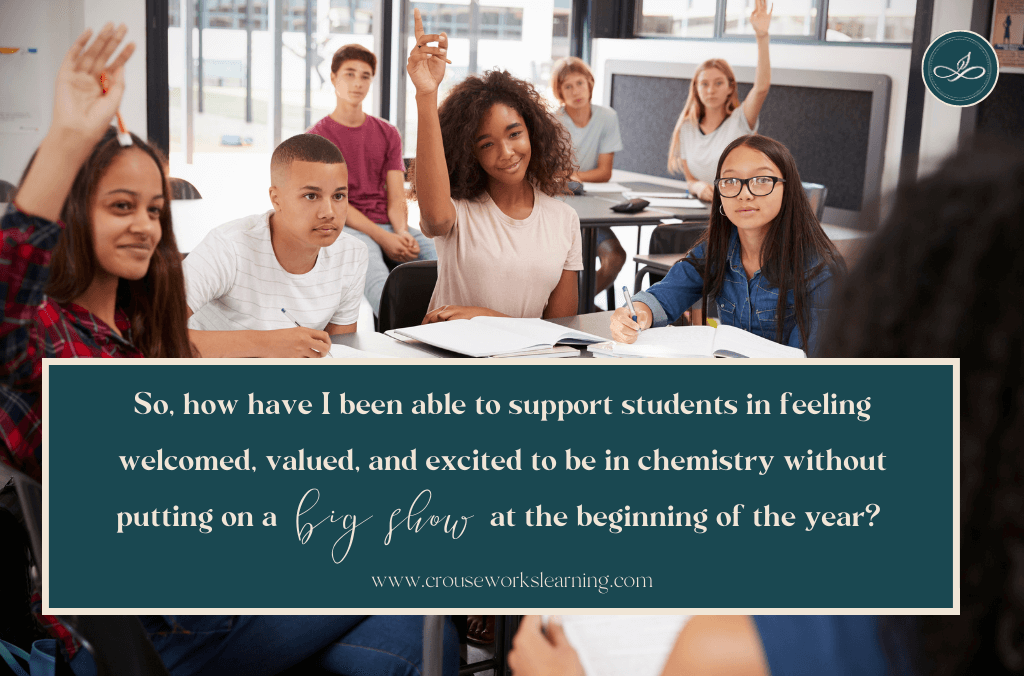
(35, 327)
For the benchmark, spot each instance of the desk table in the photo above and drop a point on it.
(385, 346)
(594, 210)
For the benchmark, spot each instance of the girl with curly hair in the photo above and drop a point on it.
(488, 162)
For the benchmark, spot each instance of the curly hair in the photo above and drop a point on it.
(551, 156)
(942, 279)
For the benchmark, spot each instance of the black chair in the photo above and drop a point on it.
(119, 644)
(183, 189)
(505, 628)
(6, 191)
(406, 295)
(673, 238)
(816, 195)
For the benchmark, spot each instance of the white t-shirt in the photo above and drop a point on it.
(511, 266)
(701, 152)
(600, 135)
(233, 281)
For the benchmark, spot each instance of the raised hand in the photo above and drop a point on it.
(81, 114)
(79, 104)
(427, 64)
(761, 17)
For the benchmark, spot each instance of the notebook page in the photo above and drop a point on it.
(676, 342)
(471, 338)
(623, 645)
(731, 338)
(537, 329)
(342, 351)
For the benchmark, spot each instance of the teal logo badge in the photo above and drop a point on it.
(960, 68)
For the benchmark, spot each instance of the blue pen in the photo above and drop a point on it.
(629, 302)
(298, 324)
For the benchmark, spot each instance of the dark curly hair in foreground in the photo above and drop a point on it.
(551, 158)
(943, 279)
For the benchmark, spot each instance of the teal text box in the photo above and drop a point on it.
(462, 550)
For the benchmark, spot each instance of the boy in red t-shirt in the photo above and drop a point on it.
(376, 172)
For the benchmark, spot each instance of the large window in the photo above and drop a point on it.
(524, 37)
(875, 21)
(231, 126)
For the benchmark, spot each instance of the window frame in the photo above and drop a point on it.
(720, 35)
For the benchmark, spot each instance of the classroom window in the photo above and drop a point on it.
(692, 19)
(524, 37)
(875, 21)
(232, 70)
(880, 21)
(789, 17)
(458, 21)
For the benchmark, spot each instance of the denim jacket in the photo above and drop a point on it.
(747, 304)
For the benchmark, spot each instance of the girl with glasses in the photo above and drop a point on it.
(712, 116)
(764, 258)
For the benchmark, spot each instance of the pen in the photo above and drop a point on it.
(629, 302)
(124, 138)
(298, 324)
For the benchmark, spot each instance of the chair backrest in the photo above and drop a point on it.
(119, 644)
(675, 238)
(183, 189)
(406, 295)
(6, 191)
(816, 194)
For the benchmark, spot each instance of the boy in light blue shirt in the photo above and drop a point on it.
(595, 140)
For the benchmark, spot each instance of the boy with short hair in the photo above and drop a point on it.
(293, 257)
(595, 140)
(373, 149)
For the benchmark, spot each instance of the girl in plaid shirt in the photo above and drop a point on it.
(90, 265)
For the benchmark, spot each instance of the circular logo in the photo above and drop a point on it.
(960, 68)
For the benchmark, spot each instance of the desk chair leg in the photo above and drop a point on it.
(433, 645)
(611, 297)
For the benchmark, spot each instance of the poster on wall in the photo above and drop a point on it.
(1008, 32)
(21, 90)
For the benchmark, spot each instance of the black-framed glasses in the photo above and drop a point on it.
(759, 186)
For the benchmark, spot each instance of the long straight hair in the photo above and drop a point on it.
(794, 241)
(694, 109)
(155, 305)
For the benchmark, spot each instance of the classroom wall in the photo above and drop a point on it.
(51, 26)
(939, 135)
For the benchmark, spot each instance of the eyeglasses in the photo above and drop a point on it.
(759, 186)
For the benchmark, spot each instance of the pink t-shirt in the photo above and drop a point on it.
(511, 266)
(370, 151)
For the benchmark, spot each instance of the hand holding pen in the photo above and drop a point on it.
(323, 354)
(628, 321)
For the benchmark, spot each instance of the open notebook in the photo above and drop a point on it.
(623, 645)
(698, 341)
(486, 336)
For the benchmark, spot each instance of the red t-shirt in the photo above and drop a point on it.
(370, 151)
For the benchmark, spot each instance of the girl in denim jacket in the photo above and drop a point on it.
(764, 258)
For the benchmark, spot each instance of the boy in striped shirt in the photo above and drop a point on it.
(294, 257)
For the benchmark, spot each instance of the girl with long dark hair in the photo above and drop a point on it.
(764, 258)
(489, 162)
(90, 265)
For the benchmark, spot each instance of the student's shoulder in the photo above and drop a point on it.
(605, 113)
(240, 230)
(556, 208)
(385, 126)
(323, 127)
